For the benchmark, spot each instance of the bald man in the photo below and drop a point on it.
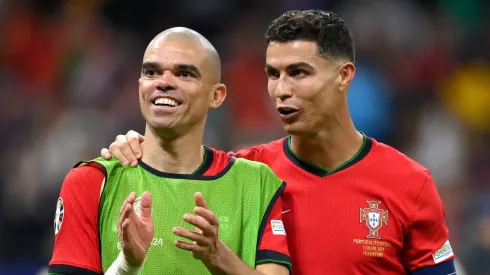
(185, 208)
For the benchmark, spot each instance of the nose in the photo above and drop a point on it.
(283, 89)
(165, 82)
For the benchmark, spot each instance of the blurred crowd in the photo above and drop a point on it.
(68, 83)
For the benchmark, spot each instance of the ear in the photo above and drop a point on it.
(217, 96)
(346, 74)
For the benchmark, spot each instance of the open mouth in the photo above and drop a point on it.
(166, 102)
(287, 110)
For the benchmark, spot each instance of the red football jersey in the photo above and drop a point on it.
(379, 213)
(77, 245)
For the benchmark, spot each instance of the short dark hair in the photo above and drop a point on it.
(330, 32)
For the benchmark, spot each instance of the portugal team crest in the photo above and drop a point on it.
(59, 216)
(374, 218)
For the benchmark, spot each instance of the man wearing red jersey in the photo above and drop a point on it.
(352, 205)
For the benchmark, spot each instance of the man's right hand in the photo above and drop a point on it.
(136, 230)
(126, 148)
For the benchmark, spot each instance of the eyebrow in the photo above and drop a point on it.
(291, 66)
(180, 67)
(189, 67)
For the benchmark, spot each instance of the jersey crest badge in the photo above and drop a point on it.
(59, 216)
(374, 217)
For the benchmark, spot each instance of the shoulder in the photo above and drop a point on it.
(259, 170)
(393, 161)
(262, 152)
(250, 165)
(103, 164)
(83, 182)
(86, 175)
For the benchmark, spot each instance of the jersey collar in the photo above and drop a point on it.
(319, 171)
(200, 171)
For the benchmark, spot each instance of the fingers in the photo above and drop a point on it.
(206, 228)
(194, 247)
(128, 202)
(116, 152)
(199, 199)
(207, 214)
(127, 218)
(105, 153)
(135, 140)
(145, 207)
(193, 236)
(124, 221)
(122, 143)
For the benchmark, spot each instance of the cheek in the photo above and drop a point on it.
(197, 100)
(271, 88)
(145, 90)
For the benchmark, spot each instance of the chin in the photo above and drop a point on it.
(162, 124)
(301, 128)
(295, 129)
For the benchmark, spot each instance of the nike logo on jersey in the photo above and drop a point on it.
(285, 211)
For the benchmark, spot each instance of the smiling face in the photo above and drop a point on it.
(303, 85)
(178, 83)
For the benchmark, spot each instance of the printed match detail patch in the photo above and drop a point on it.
(444, 253)
(59, 216)
(278, 227)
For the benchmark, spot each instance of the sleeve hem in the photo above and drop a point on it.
(444, 268)
(271, 256)
(70, 270)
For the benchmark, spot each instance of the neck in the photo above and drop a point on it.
(177, 155)
(329, 147)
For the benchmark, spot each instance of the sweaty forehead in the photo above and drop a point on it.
(281, 54)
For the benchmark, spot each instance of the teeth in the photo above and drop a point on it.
(165, 101)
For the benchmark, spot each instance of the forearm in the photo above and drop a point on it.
(121, 267)
(228, 263)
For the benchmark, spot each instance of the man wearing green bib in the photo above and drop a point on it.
(236, 221)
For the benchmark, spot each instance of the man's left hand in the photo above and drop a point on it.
(206, 244)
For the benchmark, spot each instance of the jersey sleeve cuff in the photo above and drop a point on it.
(444, 268)
(60, 269)
(271, 256)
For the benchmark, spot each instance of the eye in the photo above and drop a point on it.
(185, 74)
(272, 74)
(150, 72)
(297, 72)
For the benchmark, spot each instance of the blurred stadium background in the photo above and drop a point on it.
(68, 86)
